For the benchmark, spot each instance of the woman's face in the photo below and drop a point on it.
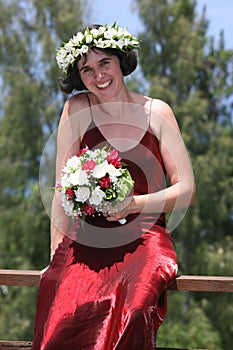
(102, 75)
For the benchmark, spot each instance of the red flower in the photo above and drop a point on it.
(83, 150)
(88, 209)
(105, 182)
(88, 165)
(70, 194)
(113, 158)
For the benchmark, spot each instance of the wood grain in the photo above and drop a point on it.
(182, 283)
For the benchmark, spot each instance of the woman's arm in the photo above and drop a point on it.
(181, 192)
(68, 140)
(74, 121)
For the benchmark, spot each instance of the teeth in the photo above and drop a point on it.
(104, 85)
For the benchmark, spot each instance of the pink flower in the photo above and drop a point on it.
(83, 150)
(105, 182)
(89, 165)
(88, 209)
(113, 158)
(70, 194)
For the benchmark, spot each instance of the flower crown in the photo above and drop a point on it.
(113, 37)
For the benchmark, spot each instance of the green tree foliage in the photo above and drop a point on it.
(217, 259)
(31, 101)
(187, 326)
(194, 74)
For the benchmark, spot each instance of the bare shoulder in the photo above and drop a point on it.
(72, 110)
(163, 108)
(76, 103)
(162, 114)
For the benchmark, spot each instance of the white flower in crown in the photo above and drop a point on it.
(102, 29)
(103, 37)
(99, 43)
(89, 38)
(79, 37)
(83, 49)
(112, 43)
(68, 46)
(110, 33)
(120, 43)
(94, 32)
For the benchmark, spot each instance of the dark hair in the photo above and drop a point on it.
(73, 81)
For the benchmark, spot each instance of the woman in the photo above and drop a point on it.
(106, 284)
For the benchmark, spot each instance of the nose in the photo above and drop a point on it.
(98, 74)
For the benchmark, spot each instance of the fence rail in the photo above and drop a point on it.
(182, 283)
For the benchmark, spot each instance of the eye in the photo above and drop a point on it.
(105, 62)
(86, 70)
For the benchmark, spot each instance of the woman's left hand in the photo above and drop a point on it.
(119, 211)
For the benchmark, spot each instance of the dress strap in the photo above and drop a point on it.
(150, 110)
(151, 102)
(89, 102)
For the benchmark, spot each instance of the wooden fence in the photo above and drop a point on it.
(182, 283)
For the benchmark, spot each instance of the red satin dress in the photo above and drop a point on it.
(111, 296)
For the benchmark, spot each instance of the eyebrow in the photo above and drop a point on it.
(100, 61)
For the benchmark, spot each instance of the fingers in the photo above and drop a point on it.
(113, 212)
(116, 215)
(120, 211)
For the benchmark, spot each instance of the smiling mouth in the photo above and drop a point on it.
(104, 85)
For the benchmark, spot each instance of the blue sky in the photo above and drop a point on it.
(218, 12)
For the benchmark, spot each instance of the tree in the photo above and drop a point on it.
(31, 101)
(194, 75)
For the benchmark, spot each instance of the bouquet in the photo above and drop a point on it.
(93, 179)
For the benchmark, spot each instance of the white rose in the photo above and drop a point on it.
(96, 196)
(82, 194)
(113, 172)
(79, 177)
(65, 181)
(72, 163)
(99, 154)
(67, 205)
(102, 169)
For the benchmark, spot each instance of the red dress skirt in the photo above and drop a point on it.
(110, 297)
